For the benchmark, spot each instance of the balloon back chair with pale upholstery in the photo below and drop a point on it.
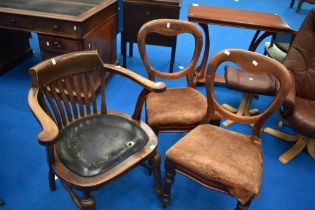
(221, 159)
(88, 145)
(180, 108)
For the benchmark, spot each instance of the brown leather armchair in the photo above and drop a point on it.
(176, 109)
(221, 159)
(299, 108)
(87, 145)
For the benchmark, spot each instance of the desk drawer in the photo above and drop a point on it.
(41, 25)
(137, 14)
(53, 44)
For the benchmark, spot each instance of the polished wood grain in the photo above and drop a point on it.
(72, 26)
(204, 15)
(139, 12)
(57, 100)
(244, 59)
(237, 18)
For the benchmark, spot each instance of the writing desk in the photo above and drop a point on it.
(204, 15)
(267, 23)
(63, 26)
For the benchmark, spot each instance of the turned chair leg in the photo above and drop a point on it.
(155, 165)
(146, 164)
(168, 182)
(51, 179)
(88, 201)
(292, 3)
(243, 206)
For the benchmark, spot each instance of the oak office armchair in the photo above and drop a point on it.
(176, 109)
(298, 108)
(220, 159)
(88, 145)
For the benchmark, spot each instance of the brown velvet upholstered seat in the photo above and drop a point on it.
(178, 108)
(298, 108)
(214, 154)
(87, 145)
(220, 159)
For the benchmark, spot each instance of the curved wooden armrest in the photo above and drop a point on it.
(147, 84)
(50, 130)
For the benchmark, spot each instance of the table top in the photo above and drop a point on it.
(59, 9)
(237, 18)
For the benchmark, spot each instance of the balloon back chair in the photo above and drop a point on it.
(88, 145)
(180, 108)
(221, 159)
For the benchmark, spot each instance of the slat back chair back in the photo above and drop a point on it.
(170, 27)
(67, 86)
(254, 63)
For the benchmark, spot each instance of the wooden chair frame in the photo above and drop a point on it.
(54, 80)
(254, 63)
(171, 27)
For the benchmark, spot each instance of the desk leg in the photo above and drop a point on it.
(123, 48)
(244, 107)
(173, 57)
(200, 71)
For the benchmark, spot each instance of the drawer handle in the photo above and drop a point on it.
(13, 21)
(56, 27)
(57, 44)
(147, 12)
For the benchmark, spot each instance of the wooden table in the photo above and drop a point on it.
(138, 12)
(204, 15)
(267, 23)
(63, 26)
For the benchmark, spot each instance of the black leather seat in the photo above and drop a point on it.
(97, 143)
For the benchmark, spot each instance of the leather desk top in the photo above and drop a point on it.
(73, 10)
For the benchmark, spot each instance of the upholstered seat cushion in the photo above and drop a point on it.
(221, 156)
(263, 84)
(176, 107)
(275, 52)
(97, 143)
(303, 117)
